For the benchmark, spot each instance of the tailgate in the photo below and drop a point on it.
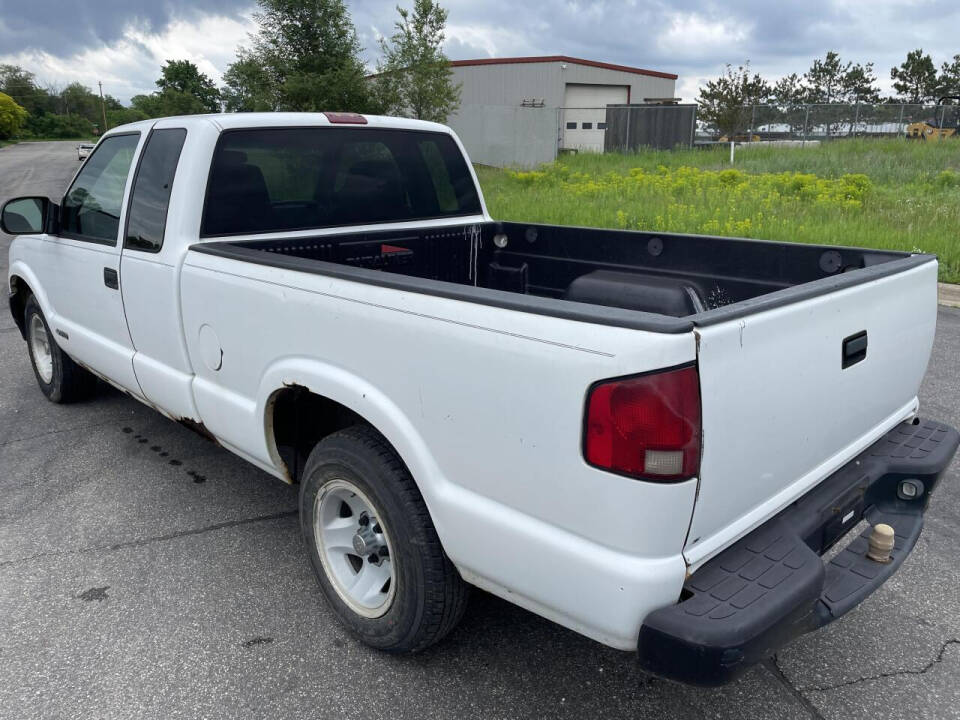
(780, 409)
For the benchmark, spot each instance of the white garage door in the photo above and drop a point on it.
(584, 114)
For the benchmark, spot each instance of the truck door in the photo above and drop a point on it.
(81, 268)
(151, 273)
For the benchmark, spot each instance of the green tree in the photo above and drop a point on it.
(860, 84)
(310, 58)
(12, 116)
(789, 94)
(725, 102)
(21, 85)
(50, 125)
(414, 76)
(183, 90)
(184, 77)
(124, 115)
(789, 90)
(825, 79)
(915, 79)
(247, 86)
(168, 102)
(830, 81)
(77, 99)
(948, 83)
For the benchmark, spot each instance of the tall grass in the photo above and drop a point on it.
(885, 194)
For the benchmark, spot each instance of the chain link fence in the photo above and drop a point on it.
(526, 136)
(830, 121)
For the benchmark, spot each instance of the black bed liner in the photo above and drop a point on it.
(736, 277)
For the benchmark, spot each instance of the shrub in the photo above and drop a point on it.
(59, 126)
(12, 116)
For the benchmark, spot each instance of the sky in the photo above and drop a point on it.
(123, 43)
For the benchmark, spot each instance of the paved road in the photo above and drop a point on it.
(147, 573)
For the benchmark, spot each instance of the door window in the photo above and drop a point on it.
(150, 196)
(91, 207)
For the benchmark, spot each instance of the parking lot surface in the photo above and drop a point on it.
(145, 572)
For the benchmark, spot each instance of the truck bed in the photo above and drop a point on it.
(650, 281)
(780, 332)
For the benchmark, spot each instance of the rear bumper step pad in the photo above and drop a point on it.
(772, 585)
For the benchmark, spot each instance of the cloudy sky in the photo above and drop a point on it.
(124, 42)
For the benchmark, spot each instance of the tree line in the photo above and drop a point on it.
(725, 102)
(305, 56)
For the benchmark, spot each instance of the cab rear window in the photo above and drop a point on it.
(276, 179)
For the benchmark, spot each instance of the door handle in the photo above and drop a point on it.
(854, 349)
(111, 279)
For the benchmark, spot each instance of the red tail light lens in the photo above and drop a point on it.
(646, 426)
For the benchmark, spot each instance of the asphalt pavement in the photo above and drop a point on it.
(145, 572)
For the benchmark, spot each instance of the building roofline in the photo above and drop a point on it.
(562, 58)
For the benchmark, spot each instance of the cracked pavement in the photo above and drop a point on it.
(145, 572)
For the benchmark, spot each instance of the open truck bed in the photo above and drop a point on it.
(666, 282)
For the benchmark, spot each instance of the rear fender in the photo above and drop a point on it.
(367, 401)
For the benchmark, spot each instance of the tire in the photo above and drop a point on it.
(60, 379)
(425, 596)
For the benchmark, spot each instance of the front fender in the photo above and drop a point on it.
(19, 270)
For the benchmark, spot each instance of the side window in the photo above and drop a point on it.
(150, 195)
(91, 207)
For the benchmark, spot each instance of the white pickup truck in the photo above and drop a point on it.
(649, 438)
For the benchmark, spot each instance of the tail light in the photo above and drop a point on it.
(346, 118)
(646, 426)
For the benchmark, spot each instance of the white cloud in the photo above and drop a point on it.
(131, 65)
(484, 40)
(692, 36)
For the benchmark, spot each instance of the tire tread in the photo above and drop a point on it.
(446, 594)
(75, 382)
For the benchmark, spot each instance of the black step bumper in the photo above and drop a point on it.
(772, 585)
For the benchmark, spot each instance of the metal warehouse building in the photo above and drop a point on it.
(521, 111)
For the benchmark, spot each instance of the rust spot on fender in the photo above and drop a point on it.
(268, 423)
(199, 428)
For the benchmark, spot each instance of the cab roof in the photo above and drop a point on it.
(233, 121)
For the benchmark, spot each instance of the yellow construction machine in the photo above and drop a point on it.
(944, 124)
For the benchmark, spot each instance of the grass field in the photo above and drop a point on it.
(889, 194)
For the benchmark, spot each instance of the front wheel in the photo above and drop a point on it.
(373, 546)
(60, 379)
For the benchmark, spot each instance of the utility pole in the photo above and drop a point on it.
(103, 109)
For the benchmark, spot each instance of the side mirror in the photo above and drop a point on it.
(26, 215)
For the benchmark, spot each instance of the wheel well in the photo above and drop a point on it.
(19, 292)
(298, 419)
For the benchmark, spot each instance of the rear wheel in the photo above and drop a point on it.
(373, 546)
(59, 377)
